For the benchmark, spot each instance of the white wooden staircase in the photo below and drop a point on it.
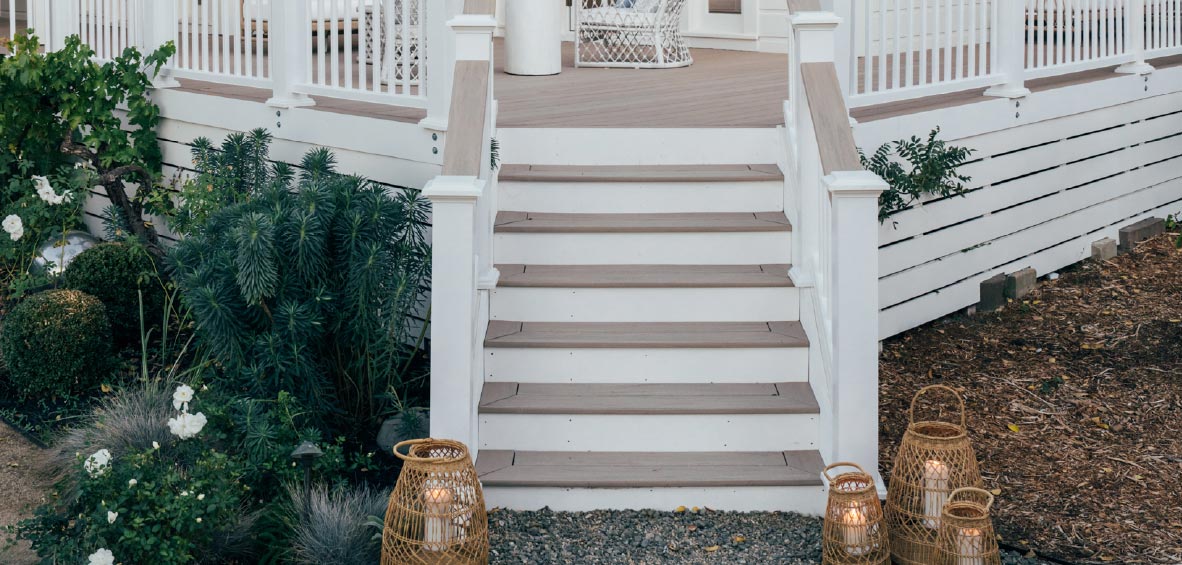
(644, 347)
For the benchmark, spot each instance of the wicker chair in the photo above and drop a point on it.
(630, 34)
(408, 43)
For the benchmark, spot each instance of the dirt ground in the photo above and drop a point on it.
(21, 489)
(1074, 396)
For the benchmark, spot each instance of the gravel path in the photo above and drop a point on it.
(22, 489)
(648, 537)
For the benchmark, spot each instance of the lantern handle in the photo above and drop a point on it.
(413, 442)
(986, 494)
(828, 478)
(922, 391)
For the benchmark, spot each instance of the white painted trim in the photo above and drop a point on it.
(727, 304)
(681, 248)
(672, 365)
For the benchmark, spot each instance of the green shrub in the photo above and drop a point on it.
(56, 343)
(933, 164)
(116, 274)
(308, 287)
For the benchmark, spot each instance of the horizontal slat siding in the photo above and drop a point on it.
(1041, 193)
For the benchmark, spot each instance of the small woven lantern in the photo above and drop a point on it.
(934, 459)
(854, 532)
(966, 532)
(436, 513)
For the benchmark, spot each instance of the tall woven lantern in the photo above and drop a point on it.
(854, 532)
(966, 531)
(436, 513)
(934, 459)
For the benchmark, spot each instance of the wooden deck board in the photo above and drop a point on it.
(644, 276)
(651, 399)
(576, 335)
(649, 470)
(532, 222)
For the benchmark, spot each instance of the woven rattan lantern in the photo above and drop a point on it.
(966, 531)
(436, 513)
(854, 533)
(934, 459)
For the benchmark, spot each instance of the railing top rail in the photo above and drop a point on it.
(795, 6)
(835, 137)
(463, 155)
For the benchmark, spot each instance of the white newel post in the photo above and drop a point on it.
(814, 42)
(290, 32)
(854, 378)
(63, 23)
(159, 25)
(453, 307)
(1135, 35)
(441, 59)
(1011, 47)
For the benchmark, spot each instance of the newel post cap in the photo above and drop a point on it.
(453, 189)
(854, 184)
(819, 21)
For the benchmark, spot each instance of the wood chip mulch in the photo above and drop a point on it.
(1074, 395)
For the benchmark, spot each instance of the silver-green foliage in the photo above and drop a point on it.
(308, 285)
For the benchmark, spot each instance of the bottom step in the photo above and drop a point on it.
(581, 481)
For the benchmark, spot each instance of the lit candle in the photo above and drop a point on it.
(855, 528)
(970, 547)
(935, 491)
(438, 505)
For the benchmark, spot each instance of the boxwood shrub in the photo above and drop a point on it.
(116, 273)
(56, 343)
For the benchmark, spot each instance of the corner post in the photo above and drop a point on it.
(453, 308)
(159, 27)
(854, 379)
(1135, 35)
(1011, 47)
(290, 33)
(441, 61)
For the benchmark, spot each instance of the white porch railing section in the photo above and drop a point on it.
(110, 26)
(222, 41)
(833, 204)
(893, 50)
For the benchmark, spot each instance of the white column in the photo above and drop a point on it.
(854, 377)
(1135, 35)
(1009, 52)
(440, 53)
(63, 23)
(159, 26)
(290, 33)
(453, 308)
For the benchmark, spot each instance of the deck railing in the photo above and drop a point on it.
(375, 51)
(893, 50)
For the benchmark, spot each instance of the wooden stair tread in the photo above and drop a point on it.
(502, 333)
(648, 470)
(538, 222)
(644, 276)
(640, 173)
(647, 399)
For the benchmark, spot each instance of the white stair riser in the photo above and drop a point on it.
(639, 146)
(678, 432)
(809, 500)
(640, 197)
(694, 248)
(647, 365)
(525, 304)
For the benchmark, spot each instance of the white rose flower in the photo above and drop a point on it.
(198, 519)
(46, 192)
(155, 445)
(182, 397)
(132, 482)
(14, 226)
(112, 516)
(184, 493)
(98, 462)
(102, 557)
(201, 497)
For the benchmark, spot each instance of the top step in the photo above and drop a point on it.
(640, 174)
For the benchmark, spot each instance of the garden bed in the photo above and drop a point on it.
(1074, 397)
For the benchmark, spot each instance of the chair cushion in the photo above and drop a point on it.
(617, 17)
